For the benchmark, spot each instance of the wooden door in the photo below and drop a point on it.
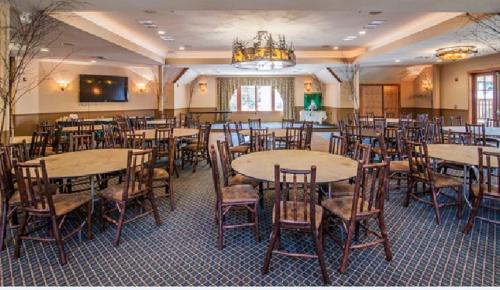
(391, 100)
(371, 98)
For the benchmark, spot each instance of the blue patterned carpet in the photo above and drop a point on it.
(183, 252)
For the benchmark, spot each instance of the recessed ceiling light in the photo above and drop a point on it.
(397, 60)
(362, 32)
(151, 26)
(182, 48)
(335, 48)
(370, 26)
(161, 32)
(439, 60)
(145, 22)
(167, 38)
(150, 11)
(93, 61)
(377, 22)
(44, 49)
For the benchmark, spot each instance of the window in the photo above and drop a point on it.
(485, 102)
(256, 99)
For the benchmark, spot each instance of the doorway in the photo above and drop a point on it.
(485, 104)
(380, 99)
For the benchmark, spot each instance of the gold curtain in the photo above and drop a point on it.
(285, 86)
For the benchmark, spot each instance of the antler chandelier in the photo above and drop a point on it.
(263, 53)
(456, 52)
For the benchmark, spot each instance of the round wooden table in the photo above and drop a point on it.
(278, 132)
(488, 131)
(73, 129)
(20, 139)
(329, 167)
(178, 132)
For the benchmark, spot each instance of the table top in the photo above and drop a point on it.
(463, 154)
(85, 163)
(488, 131)
(19, 139)
(178, 132)
(278, 132)
(387, 120)
(75, 128)
(329, 167)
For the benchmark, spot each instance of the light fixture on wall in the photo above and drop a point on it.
(62, 84)
(141, 87)
(308, 86)
(454, 53)
(202, 87)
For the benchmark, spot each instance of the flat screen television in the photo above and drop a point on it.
(98, 88)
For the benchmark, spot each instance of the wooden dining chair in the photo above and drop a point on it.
(456, 121)
(337, 145)
(137, 186)
(287, 123)
(366, 204)
(299, 213)
(86, 128)
(39, 202)
(421, 171)
(171, 122)
(478, 135)
(293, 138)
(230, 178)
(434, 133)
(10, 197)
(165, 164)
(307, 130)
(38, 145)
(491, 123)
(230, 198)
(487, 187)
(135, 140)
(254, 123)
(265, 142)
(235, 149)
(79, 142)
(198, 151)
(140, 123)
(253, 137)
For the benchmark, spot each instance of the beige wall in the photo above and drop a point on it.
(48, 98)
(454, 87)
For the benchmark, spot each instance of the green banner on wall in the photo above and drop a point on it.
(312, 102)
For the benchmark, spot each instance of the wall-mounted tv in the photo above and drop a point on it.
(98, 88)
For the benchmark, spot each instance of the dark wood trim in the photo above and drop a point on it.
(181, 73)
(383, 97)
(334, 74)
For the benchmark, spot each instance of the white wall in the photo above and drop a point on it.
(48, 98)
(181, 96)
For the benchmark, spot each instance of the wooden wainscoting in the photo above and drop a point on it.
(380, 99)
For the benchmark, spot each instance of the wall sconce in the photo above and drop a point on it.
(202, 87)
(308, 86)
(141, 87)
(62, 85)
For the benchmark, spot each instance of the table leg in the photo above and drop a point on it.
(92, 191)
(329, 190)
(464, 189)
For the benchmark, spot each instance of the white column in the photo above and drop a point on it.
(161, 84)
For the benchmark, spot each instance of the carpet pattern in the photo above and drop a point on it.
(183, 251)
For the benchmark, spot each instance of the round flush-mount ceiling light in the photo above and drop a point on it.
(454, 53)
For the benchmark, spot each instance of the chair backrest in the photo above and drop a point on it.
(139, 173)
(235, 127)
(227, 134)
(216, 176)
(418, 159)
(379, 124)
(489, 179)
(422, 118)
(38, 144)
(265, 142)
(254, 123)
(361, 152)
(295, 197)
(287, 123)
(434, 133)
(414, 134)
(307, 135)
(462, 138)
(338, 145)
(109, 138)
(162, 139)
(225, 160)
(477, 133)
(204, 135)
(6, 179)
(33, 186)
(456, 121)
(165, 148)
(293, 138)
(123, 125)
(370, 189)
(135, 140)
(79, 142)
(85, 128)
(491, 122)
(253, 138)
(171, 122)
(141, 123)
(18, 151)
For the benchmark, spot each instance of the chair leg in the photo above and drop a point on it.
(274, 238)
(473, 213)
(256, 221)
(102, 208)
(195, 161)
(409, 191)
(119, 225)
(435, 204)
(89, 220)
(172, 195)
(459, 204)
(3, 225)
(20, 233)
(156, 215)
(220, 229)
(383, 233)
(347, 246)
(321, 258)
(59, 241)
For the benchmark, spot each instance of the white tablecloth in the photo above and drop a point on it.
(314, 116)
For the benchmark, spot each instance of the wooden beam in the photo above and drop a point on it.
(334, 74)
(181, 73)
